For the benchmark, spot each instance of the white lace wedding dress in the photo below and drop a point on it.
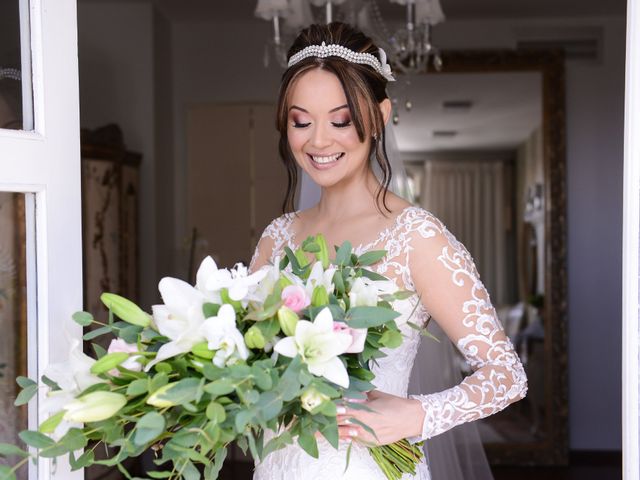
(466, 314)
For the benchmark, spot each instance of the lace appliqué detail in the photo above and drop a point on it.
(499, 378)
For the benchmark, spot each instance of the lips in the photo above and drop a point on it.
(322, 160)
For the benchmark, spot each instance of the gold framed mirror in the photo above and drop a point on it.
(497, 179)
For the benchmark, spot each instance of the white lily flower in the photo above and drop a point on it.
(363, 294)
(73, 376)
(320, 277)
(319, 345)
(207, 269)
(180, 318)
(223, 336)
(237, 281)
(265, 287)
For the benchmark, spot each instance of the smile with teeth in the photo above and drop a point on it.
(323, 159)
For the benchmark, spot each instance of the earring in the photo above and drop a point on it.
(375, 136)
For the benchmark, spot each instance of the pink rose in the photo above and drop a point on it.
(358, 336)
(131, 363)
(295, 297)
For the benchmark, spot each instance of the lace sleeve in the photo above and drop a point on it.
(445, 276)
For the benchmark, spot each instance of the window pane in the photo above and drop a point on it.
(13, 318)
(16, 99)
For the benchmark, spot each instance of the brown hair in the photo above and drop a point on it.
(363, 86)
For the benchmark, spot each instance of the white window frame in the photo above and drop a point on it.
(45, 163)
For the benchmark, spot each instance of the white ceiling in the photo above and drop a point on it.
(507, 107)
(238, 10)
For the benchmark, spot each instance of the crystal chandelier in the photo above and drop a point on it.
(410, 49)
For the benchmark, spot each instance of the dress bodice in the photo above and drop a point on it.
(448, 284)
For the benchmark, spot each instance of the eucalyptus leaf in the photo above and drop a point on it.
(82, 318)
(367, 317)
(25, 395)
(7, 450)
(149, 427)
(371, 257)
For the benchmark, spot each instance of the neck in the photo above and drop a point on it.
(349, 198)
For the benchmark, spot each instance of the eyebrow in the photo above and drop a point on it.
(295, 107)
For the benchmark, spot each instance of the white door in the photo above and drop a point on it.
(40, 163)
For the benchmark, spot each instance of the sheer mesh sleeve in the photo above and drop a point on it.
(271, 242)
(444, 274)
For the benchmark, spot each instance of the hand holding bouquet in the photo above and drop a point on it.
(225, 360)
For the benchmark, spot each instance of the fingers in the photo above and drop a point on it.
(349, 432)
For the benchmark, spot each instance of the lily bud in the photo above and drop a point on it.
(323, 254)
(94, 407)
(155, 399)
(126, 310)
(288, 319)
(302, 258)
(108, 362)
(320, 297)
(253, 338)
(312, 399)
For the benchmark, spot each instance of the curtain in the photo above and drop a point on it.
(471, 199)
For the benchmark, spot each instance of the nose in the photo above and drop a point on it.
(320, 137)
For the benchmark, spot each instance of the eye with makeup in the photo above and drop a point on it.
(342, 124)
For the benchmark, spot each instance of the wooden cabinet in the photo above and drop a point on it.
(110, 177)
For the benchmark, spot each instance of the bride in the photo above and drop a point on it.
(332, 112)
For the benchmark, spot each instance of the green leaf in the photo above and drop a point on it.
(210, 309)
(109, 362)
(148, 428)
(367, 317)
(289, 384)
(330, 432)
(25, 382)
(338, 281)
(372, 257)
(6, 473)
(25, 395)
(216, 412)
(270, 405)
(138, 387)
(50, 383)
(73, 440)
(82, 318)
(222, 386)
(51, 423)
(7, 450)
(96, 333)
(391, 339)
(242, 418)
(343, 255)
(372, 275)
(35, 439)
(213, 469)
(82, 461)
(262, 378)
(307, 441)
(277, 443)
(166, 474)
(182, 392)
(100, 351)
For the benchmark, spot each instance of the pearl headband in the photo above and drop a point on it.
(333, 50)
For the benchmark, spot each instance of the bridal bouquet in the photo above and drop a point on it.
(222, 361)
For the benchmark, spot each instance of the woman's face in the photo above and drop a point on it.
(321, 135)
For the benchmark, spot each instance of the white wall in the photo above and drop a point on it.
(221, 63)
(117, 86)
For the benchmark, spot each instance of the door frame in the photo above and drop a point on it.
(630, 250)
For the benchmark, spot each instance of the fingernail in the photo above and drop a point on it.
(341, 410)
(353, 433)
(347, 421)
